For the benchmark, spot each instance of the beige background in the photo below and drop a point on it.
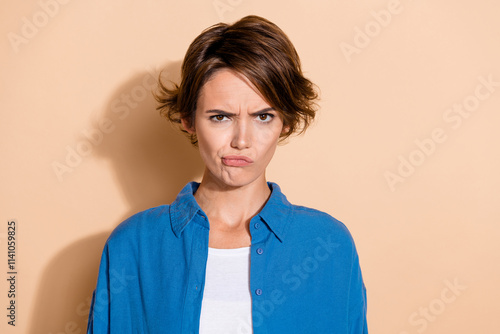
(78, 66)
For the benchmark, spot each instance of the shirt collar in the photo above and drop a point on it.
(276, 213)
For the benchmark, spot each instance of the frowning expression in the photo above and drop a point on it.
(237, 130)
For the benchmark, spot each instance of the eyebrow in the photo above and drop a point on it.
(225, 113)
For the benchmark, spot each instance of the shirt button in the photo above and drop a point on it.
(258, 292)
(257, 225)
(260, 251)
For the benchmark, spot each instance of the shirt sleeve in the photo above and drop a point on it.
(357, 299)
(99, 314)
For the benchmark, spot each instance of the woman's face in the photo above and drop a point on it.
(237, 130)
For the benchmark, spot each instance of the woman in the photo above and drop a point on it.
(231, 254)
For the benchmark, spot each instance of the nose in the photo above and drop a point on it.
(242, 135)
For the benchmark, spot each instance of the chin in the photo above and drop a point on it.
(237, 182)
(238, 179)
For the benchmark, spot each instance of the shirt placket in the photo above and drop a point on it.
(258, 258)
(196, 275)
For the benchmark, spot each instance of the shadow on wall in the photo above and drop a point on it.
(151, 161)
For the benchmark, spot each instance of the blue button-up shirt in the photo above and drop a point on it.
(304, 271)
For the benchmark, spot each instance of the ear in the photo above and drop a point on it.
(186, 126)
(285, 129)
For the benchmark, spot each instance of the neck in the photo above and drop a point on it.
(231, 207)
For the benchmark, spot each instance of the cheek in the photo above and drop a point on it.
(269, 141)
(209, 144)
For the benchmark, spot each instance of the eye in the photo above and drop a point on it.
(265, 117)
(218, 118)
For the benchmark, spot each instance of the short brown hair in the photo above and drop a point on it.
(255, 48)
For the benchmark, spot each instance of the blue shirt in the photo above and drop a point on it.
(304, 271)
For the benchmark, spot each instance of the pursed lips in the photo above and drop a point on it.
(236, 160)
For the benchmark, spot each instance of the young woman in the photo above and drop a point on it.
(231, 254)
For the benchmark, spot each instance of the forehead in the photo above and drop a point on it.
(229, 88)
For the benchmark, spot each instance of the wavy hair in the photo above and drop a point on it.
(255, 48)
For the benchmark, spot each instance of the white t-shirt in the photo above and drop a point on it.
(227, 303)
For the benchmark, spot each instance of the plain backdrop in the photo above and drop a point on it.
(404, 151)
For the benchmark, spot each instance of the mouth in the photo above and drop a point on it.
(236, 160)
